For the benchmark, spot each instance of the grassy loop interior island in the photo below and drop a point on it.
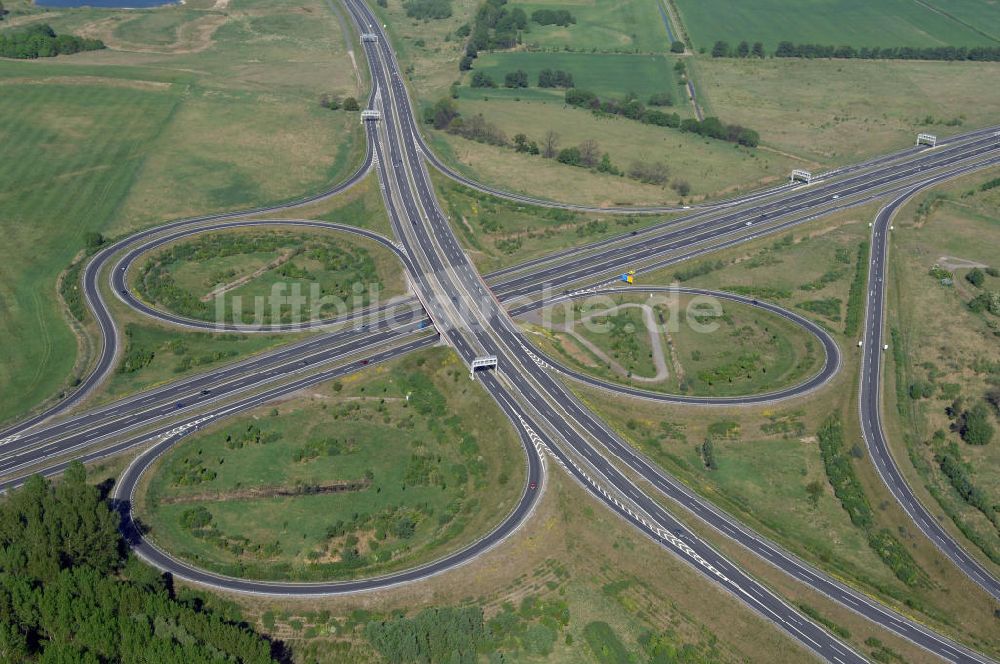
(388, 468)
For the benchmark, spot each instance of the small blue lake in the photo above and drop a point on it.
(105, 4)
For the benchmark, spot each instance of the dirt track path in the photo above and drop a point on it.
(655, 342)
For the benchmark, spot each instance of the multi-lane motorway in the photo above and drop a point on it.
(467, 312)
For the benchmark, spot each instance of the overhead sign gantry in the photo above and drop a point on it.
(482, 362)
(799, 175)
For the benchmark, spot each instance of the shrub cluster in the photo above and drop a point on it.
(494, 27)
(428, 9)
(721, 49)
(988, 301)
(553, 17)
(697, 270)
(41, 41)
(849, 491)
(828, 307)
(856, 295)
(950, 461)
(461, 634)
(712, 127)
(516, 79)
(548, 78)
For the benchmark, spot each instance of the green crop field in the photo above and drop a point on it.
(187, 111)
(604, 74)
(70, 156)
(603, 25)
(700, 346)
(381, 470)
(856, 23)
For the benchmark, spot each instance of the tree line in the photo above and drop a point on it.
(977, 53)
(334, 103)
(70, 593)
(444, 115)
(957, 472)
(547, 78)
(634, 109)
(848, 489)
(787, 49)
(721, 49)
(41, 41)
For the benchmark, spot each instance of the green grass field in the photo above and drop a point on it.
(853, 22)
(832, 112)
(187, 112)
(602, 25)
(601, 73)
(711, 168)
(707, 350)
(808, 270)
(154, 354)
(498, 233)
(429, 462)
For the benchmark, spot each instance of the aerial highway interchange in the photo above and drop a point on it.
(474, 314)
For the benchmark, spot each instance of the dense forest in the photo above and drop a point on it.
(70, 593)
(41, 41)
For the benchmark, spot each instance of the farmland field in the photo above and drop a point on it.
(856, 23)
(70, 157)
(422, 461)
(605, 25)
(188, 111)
